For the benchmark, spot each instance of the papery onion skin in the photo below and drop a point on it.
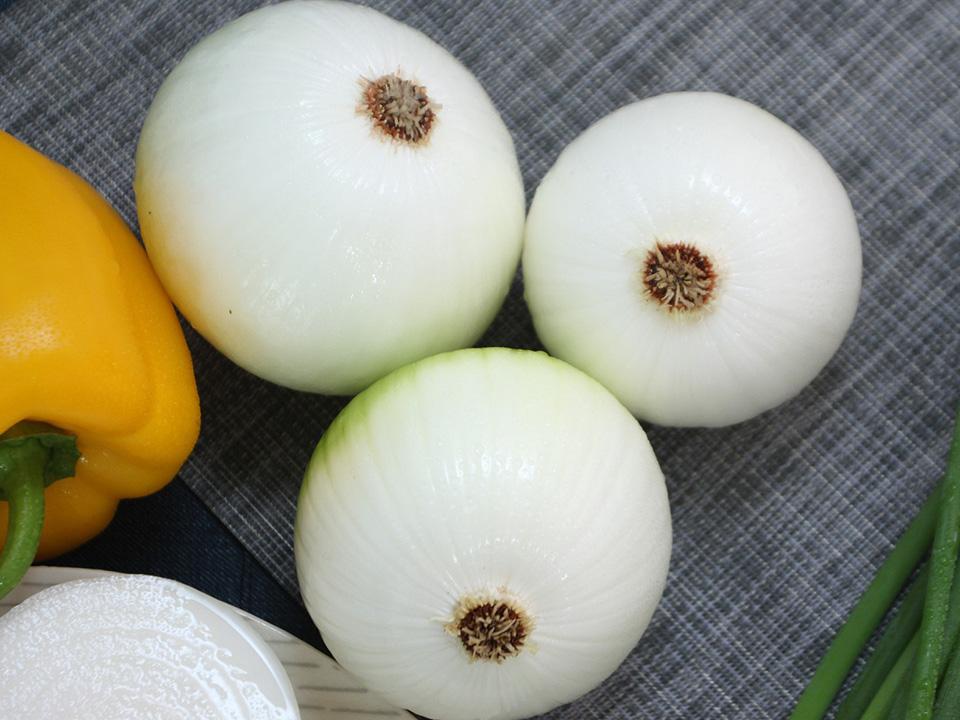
(311, 249)
(482, 471)
(750, 193)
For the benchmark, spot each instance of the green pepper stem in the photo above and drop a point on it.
(22, 479)
(27, 465)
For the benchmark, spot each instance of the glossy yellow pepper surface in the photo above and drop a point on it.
(90, 348)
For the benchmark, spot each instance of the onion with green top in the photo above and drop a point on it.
(483, 534)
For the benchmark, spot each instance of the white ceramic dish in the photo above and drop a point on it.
(324, 691)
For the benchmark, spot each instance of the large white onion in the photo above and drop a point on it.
(293, 230)
(470, 479)
(726, 185)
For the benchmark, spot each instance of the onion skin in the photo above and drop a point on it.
(482, 471)
(312, 250)
(752, 195)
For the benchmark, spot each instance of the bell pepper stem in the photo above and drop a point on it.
(27, 465)
(23, 483)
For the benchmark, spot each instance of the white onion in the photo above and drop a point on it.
(292, 231)
(474, 478)
(710, 177)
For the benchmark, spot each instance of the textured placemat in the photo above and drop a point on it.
(779, 522)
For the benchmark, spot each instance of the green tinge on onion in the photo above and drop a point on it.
(483, 534)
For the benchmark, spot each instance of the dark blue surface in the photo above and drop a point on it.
(172, 534)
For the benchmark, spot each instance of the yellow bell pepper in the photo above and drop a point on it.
(91, 348)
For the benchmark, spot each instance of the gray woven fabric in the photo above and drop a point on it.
(780, 521)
